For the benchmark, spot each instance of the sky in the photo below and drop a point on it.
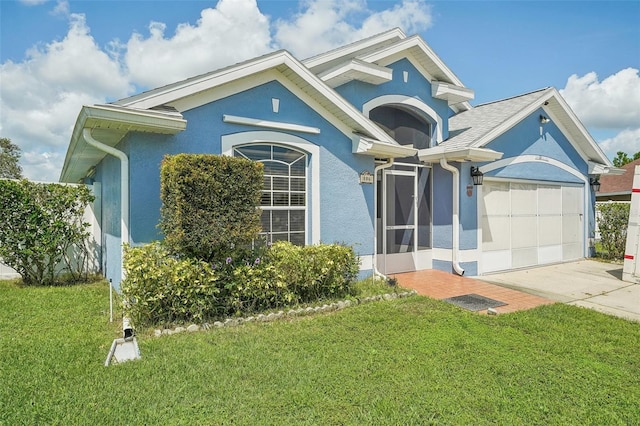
(57, 55)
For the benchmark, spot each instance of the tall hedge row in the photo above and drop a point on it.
(209, 204)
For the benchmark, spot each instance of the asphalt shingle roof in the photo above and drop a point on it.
(468, 127)
(615, 184)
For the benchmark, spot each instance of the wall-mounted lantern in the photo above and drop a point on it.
(595, 184)
(476, 175)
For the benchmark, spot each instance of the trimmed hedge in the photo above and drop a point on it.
(209, 204)
(167, 289)
(613, 220)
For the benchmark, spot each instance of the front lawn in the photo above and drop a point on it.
(405, 361)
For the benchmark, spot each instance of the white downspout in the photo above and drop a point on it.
(124, 205)
(455, 219)
(375, 219)
(124, 187)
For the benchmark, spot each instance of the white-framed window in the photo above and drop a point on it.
(284, 193)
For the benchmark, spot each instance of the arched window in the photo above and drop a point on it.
(284, 194)
(403, 124)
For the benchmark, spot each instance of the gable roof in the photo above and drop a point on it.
(621, 184)
(280, 65)
(482, 124)
(337, 66)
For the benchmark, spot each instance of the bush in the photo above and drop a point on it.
(209, 204)
(317, 271)
(164, 289)
(167, 289)
(42, 232)
(613, 220)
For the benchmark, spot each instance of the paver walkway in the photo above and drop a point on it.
(442, 285)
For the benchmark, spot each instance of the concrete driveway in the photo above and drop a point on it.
(587, 283)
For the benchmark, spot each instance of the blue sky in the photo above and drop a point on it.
(56, 56)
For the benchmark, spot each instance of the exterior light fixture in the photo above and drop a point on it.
(476, 175)
(543, 120)
(595, 184)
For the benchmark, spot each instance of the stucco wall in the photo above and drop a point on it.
(346, 207)
(359, 93)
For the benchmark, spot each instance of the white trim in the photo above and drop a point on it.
(287, 140)
(246, 121)
(431, 155)
(553, 162)
(281, 66)
(406, 45)
(451, 93)
(405, 100)
(356, 70)
(345, 51)
(366, 146)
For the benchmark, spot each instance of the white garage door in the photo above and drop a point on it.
(528, 224)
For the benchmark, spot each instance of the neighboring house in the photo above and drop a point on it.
(372, 144)
(617, 187)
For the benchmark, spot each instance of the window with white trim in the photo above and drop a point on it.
(284, 193)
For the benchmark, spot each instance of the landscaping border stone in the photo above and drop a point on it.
(274, 316)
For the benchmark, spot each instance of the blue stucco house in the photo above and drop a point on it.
(373, 144)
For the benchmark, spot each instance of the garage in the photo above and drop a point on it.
(527, 224)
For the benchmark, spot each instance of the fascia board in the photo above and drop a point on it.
(120, 120)
(432, 155)
(371, 147)
(451, 93)
(338, 100)
(406, 44)
(601, 169)
(101, 116)
(208, 81)
(353, 48)
(581, 129)
(381, 74)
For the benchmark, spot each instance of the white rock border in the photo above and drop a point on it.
(273, 316)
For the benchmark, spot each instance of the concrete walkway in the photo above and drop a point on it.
(587, 283)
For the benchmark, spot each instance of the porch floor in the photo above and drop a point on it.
(442, 285)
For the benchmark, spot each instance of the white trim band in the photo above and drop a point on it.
(246, 121)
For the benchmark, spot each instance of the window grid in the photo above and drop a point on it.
(283, 200)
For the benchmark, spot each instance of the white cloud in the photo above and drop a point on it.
(613, 103)
(234, 31)
(627, 141)
(325, 24)
(41, 97)
(62, 8)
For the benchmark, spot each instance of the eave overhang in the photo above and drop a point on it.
(375, 148)
(112, 123)
(451, 93)
(602, 169)
(356, 70)
(435, 154)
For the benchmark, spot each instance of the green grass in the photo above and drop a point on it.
(405, 361)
